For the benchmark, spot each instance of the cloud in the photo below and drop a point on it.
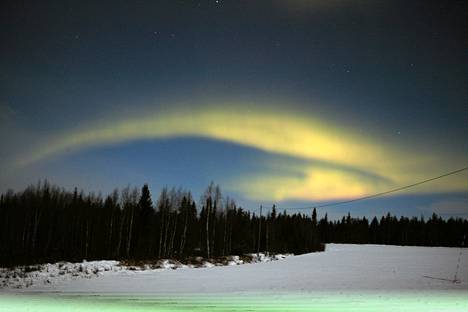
(271, 131)
(339, 163)
(312, 181)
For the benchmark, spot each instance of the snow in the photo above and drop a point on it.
(339, 268)
(51, 274)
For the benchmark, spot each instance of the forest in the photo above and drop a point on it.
(45, 223)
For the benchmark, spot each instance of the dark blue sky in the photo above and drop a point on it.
(294, 85)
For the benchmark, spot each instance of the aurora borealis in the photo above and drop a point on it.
(287, 102)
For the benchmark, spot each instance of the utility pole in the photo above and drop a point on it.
(259, 231)
(266, 234)
(455, 278)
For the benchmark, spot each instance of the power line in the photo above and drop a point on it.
(378, 194)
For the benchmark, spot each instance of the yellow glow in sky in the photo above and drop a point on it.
(275, 132)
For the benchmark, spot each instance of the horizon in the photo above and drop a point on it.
(321, 211)
(289, 103)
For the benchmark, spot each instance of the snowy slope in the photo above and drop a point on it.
(51, 274)
(339, 268)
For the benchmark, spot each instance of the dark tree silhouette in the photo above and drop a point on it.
(45, 223)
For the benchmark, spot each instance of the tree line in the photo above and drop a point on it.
(45, 223)
(390, 230)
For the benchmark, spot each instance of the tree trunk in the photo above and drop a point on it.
(259, 230)
(37, 217)
(213, 235)
(168, 221)
(109, 241)
(86, 240)
(230, 239)
(23, 238)
(184, 234)
(225, 234)
(161, 231)
(119, 241)
(207, 231)
(130, 230)
(171, 245)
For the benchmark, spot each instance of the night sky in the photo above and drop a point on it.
(290, 102)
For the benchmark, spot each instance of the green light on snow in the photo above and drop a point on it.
(328, 302)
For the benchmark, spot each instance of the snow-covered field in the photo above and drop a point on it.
(340, 267)
(343, 278)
